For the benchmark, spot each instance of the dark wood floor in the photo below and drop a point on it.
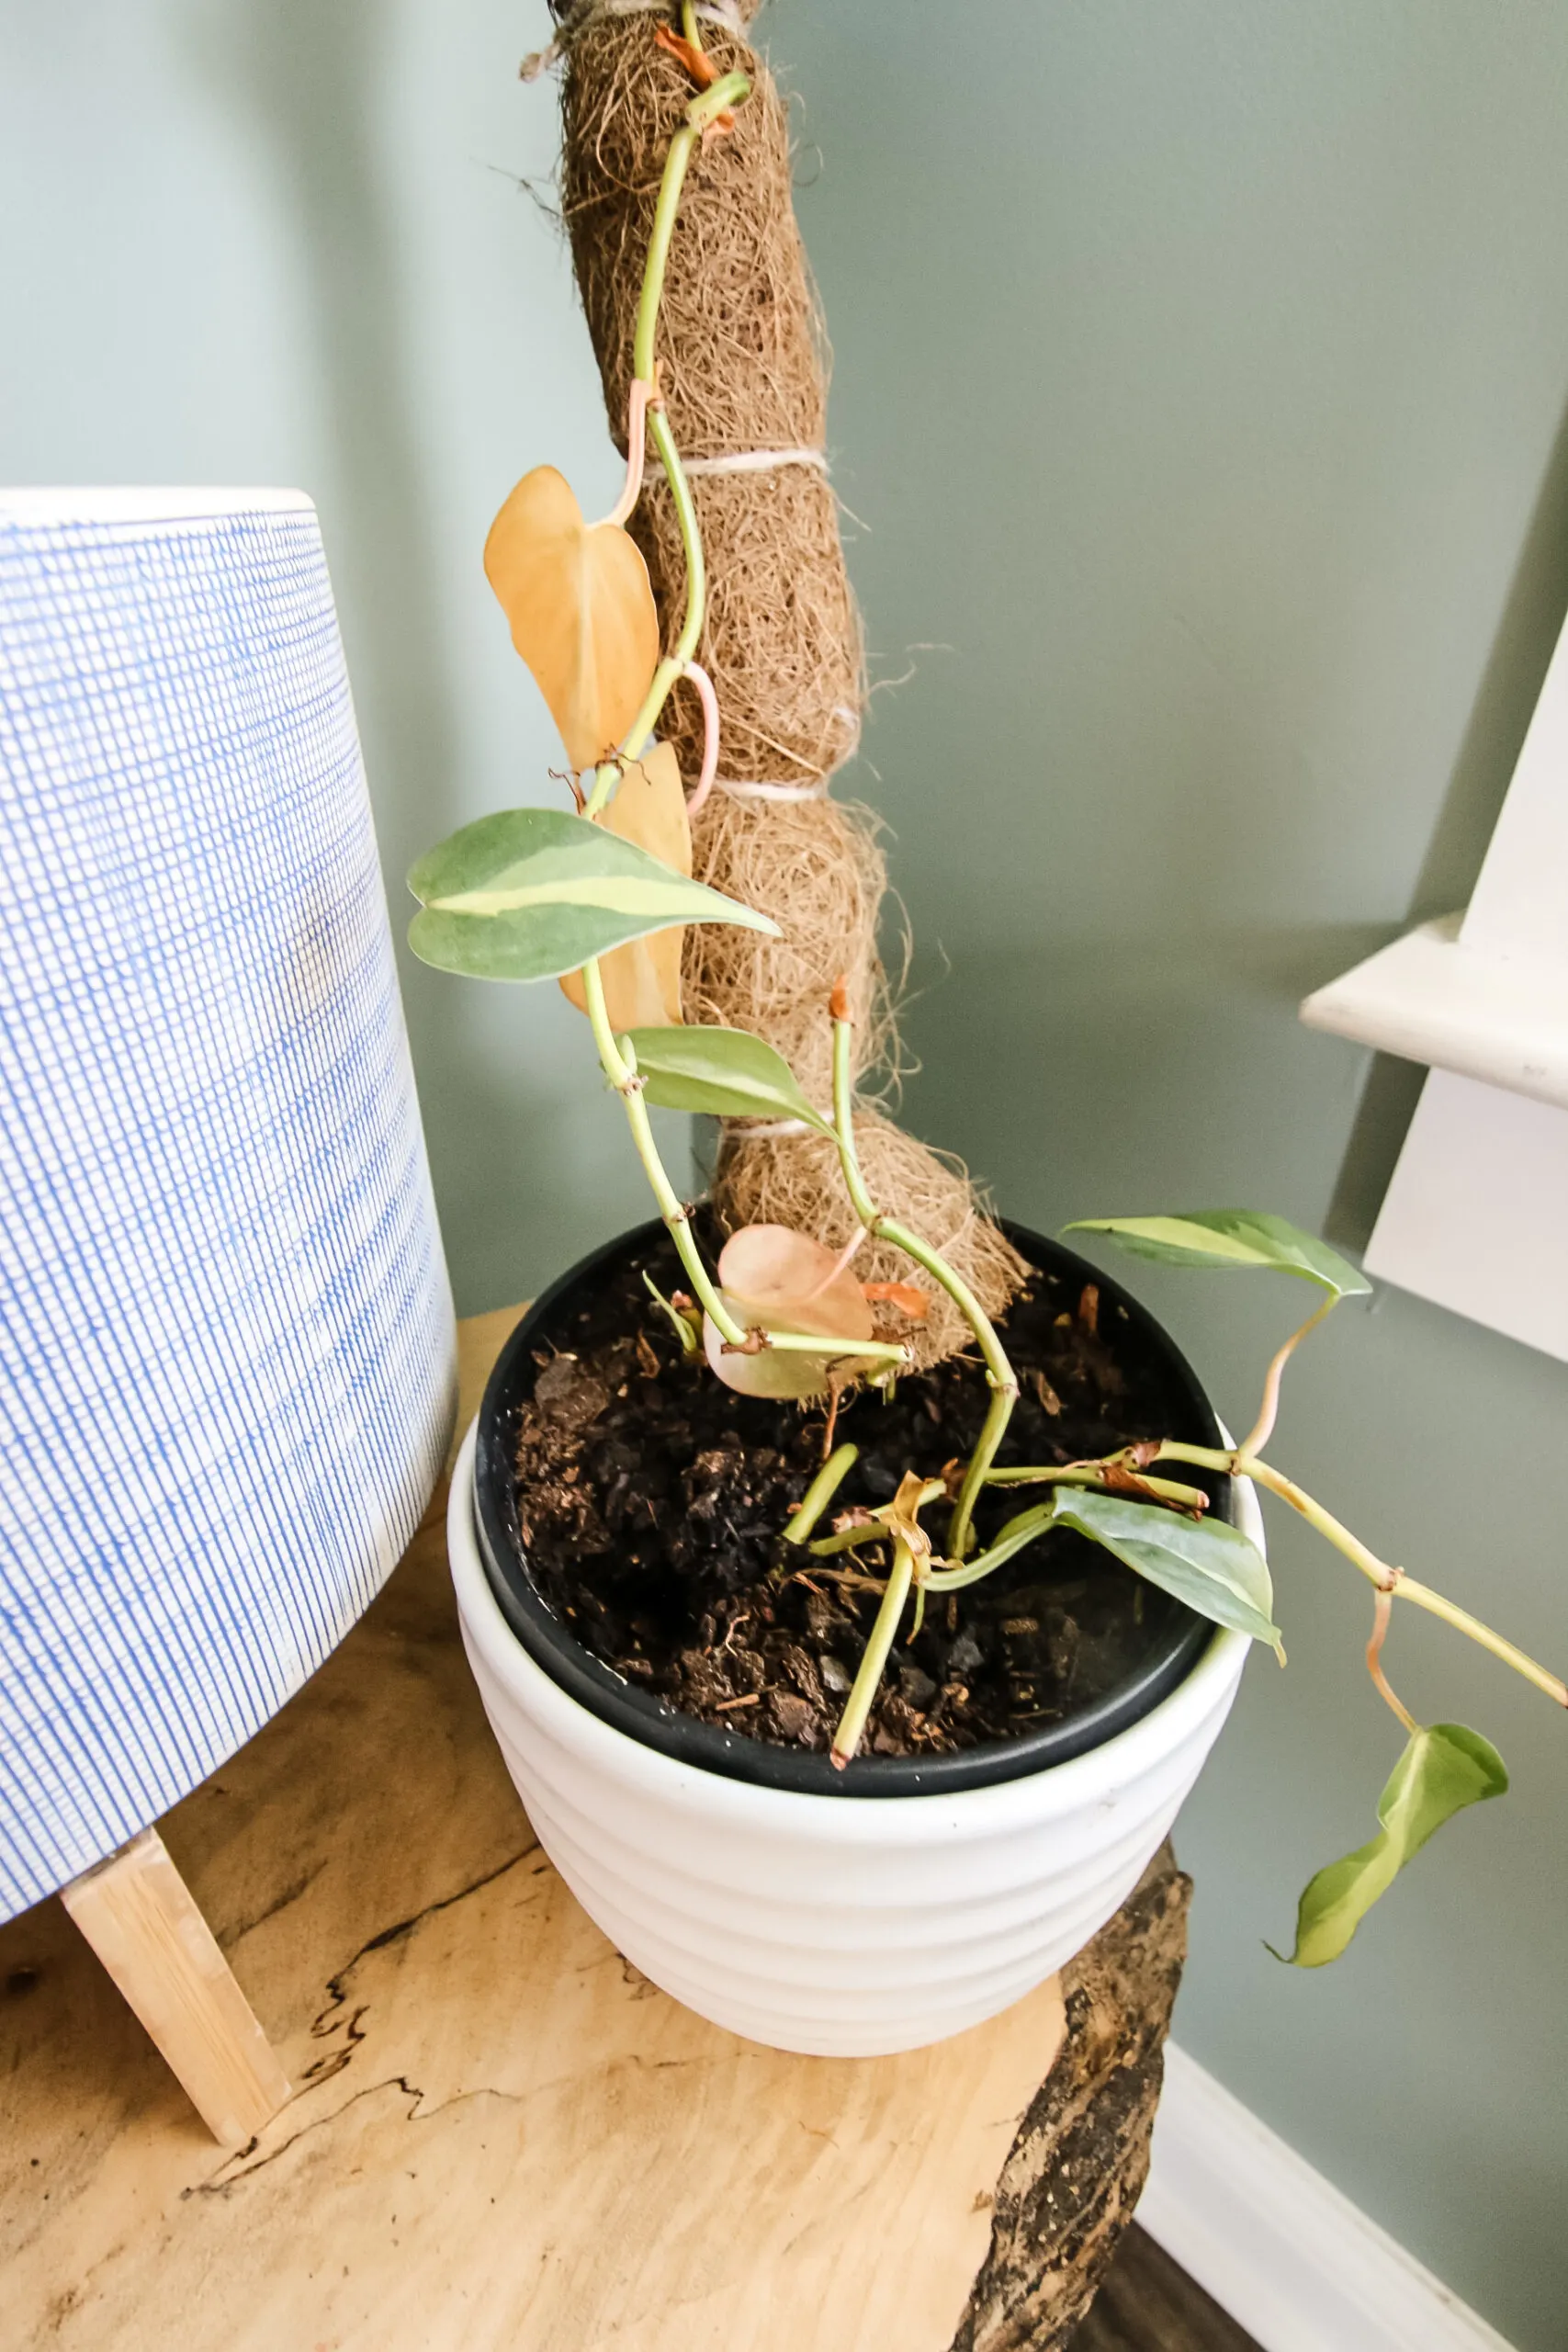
(1148, 2305)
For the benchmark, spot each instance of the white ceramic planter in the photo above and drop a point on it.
(847, 1927)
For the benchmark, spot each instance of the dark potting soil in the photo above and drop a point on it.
(651, 1501)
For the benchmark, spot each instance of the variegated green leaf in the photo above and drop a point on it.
(1233, 1239)
(531, 893)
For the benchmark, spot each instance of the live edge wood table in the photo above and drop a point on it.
(500, 2135)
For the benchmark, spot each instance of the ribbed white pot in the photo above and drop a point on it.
(847, 1927)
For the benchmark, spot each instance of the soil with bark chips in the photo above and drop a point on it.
(651, 1501)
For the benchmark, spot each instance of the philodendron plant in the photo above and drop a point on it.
(597, 897)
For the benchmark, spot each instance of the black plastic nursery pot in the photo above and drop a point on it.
(1170, 1640)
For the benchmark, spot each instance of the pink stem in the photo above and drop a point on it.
(1263, 1427)
(840, 1265)
(1381, 1614)
(703, 685)
(637, 449)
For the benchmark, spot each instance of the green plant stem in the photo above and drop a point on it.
(657, 259)
(999, 1371)
(1387, 1578)
(1018, 1531)
(847, 1539)
(874, 1660)
(820, 1493)
(607, 775)
(623, 1077)
(998, 1413)
(658, 433)
(1422, 1596)
(689, 24)
(680, 1324)
(730, 91)
(1239, 1464)
(671, 1208)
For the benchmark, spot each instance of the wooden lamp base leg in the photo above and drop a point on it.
(143, 1922)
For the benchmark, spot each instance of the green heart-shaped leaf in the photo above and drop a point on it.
(1209, 1564)
(726, 1072)
(1442, 1771)
(528, 894)
(1236, 1239)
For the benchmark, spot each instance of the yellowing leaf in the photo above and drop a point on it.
(580, 609)
(774, 1279)
(642, 980)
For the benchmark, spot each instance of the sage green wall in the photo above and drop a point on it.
(1201, 376)
(1201, 372)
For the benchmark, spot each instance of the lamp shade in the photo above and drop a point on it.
(226, 1334)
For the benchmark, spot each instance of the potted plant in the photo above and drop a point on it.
(850, 1693)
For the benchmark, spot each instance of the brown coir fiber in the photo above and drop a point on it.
(782, 642)
(795, 1181)
(740, 345)
(743, 368)
(817, 867)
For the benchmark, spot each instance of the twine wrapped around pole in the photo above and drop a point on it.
(743, 366)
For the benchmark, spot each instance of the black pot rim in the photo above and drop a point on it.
(653, 1723)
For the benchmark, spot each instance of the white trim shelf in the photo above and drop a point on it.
(1473, 1216)
(1430, 998)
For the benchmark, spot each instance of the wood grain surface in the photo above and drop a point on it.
(499, 2135)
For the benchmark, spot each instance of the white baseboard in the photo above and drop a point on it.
(1292, 2260)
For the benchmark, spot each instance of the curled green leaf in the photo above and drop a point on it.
(1235, 1240)
(1442, 1771)
(727, 1073)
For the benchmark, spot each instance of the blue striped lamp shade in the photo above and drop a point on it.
(226, 1335)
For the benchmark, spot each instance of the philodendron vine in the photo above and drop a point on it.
(597, 898)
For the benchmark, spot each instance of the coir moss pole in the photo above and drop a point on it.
(743, 373)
